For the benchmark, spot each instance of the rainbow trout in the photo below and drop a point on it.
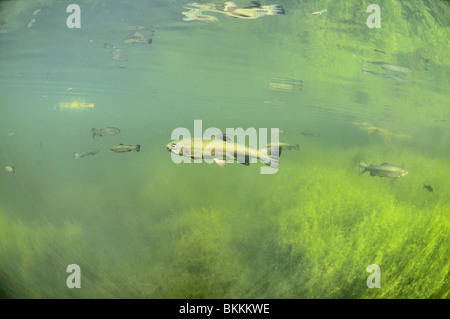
(224, 150)
(383, 170)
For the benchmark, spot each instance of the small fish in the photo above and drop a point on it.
(379, 51)
(275, 103)
(120, 148)
(428, 187)
(196, 14)
(85, 153)
(279, 79)
(389, 67)
(285, 84)
(9, 168)
(383, 170)
(139, 37)
(285, 145)
(33, 20)
(74, 106)
(383, 75)
(319, 12)
(105, 131)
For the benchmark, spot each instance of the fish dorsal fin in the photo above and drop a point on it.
(384, 163)
(224, 138)
(255, 4)
(120, 144)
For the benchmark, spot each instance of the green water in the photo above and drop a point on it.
(141, 226)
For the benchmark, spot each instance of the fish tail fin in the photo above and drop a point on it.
(13, 170)
(273, 9)
(272, 160)
(362, 167)
(269, 149)
(138, 148)
(255, 4)
(94, 132)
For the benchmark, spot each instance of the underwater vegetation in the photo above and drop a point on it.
(304, 233)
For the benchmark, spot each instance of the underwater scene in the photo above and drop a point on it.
(102, 197)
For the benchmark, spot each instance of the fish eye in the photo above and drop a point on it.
(174, 146)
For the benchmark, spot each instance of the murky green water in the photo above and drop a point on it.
(141, 226)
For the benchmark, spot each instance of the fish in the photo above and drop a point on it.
(243, 154)
(319, 12)
(389, 67)
(105, 131)
(379, 51)
(285, 84)
(120, 148)
(196, 14)
(383, 170)
(384, 75)
(285, 145)
(9, 168)
(386, 135)
(141, 36)
(33, 20)
(428, 187)
(85, 153)
(276, 103)
(74, 106)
